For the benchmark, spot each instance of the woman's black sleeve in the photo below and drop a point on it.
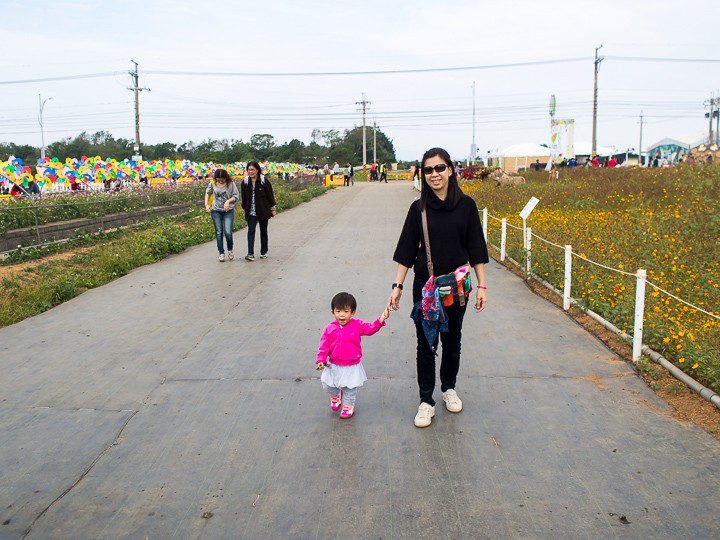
(409, 241)
(270, 193)
(477, 247)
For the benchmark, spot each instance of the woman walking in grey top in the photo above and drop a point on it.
(225, 195)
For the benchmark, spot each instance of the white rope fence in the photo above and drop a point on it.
(640, 284)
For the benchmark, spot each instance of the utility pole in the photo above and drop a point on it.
(595, 97)
(714, 103)
(473, 148)
(364, 103)
(42, 130)
(137, 90)
(640, 145)
(374, 141)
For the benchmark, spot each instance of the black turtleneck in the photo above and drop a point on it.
(456, 237)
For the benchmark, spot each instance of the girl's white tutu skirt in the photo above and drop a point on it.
(344, 376)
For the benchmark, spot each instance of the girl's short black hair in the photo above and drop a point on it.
(343, 300)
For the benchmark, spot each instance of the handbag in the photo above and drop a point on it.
(453, 286)
(211, 197)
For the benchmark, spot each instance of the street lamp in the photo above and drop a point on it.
(42, 132)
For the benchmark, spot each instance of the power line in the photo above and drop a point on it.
(66, 77)
(651, 59)
(370, 72)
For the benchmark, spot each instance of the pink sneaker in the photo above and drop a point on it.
(335, 401)
(347, 411)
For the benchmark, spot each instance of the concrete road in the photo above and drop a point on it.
(181, 402)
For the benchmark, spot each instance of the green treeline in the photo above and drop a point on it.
(325, 147)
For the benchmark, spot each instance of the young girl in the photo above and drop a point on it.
(340, 352)
(225, 196)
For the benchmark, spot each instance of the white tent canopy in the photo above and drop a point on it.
(584, 148)
(667, 141)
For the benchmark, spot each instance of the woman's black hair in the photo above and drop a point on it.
(343, 300)
(454, 192)
(222, 173)
(254, 164)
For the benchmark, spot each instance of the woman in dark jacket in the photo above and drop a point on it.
(258, 202)
(456, 238)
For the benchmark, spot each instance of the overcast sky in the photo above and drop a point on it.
(556, 41)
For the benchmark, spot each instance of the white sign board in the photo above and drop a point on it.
(529, 207)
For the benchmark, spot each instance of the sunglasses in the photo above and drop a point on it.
(437, 168)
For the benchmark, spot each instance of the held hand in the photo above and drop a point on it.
(385, 315)
(480, 300)
(273, 212)
(226, 206)
(394, 300)
(320, 366)
(207, 208)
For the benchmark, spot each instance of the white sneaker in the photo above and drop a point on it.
(424, 415)
(452, 401)
(230, 255)
(221, 258)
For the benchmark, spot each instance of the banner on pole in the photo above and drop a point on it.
(562, 139)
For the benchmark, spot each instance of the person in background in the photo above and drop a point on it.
(33, 188)
(225, 197)
(258, 202)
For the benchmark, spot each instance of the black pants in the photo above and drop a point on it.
(252, 224)
(450, 359)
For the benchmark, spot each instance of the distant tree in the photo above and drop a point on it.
(72, 148)
(317, 153)
(331, 137)
(341, 148)
(239, 151)
(166, 150)
(385, 149)
(316, 136)
(343, 153)
(29, 154)
(262, 146)
(293, 151)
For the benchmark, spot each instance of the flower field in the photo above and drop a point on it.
(666, 221)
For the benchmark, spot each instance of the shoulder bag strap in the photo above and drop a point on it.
(427, 242)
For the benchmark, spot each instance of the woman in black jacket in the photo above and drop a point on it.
(456, 238)
(258, 202)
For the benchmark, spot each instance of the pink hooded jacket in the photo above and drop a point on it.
(341, 344)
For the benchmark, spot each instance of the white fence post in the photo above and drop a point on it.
(639, 314)
(484, 224)
(528, 257)
(568, 277)
(524, 233)
(503, 238)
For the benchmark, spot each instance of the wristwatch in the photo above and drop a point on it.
(397, 285)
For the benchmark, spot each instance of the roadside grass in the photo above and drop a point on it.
(111, 255)
(666, 221)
